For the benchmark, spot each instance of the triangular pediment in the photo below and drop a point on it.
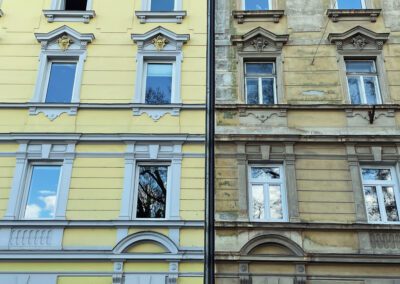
(358, 38)
(160, 39)
(260, 40)
(64, 38)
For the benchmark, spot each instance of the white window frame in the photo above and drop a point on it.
(362, 86)
(260, 95)
(136, 189)
(60, 5)
(378, 184)
(173, 85)
(363, 4)
(28, 180)
(281, 182)
(269, 5)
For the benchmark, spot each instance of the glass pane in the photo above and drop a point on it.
(259, 68)
(376, 174)
(275, 202)
(61, 83)
(353, 66)
(265, 173)
(390, 204)
(349, 4)
(354, 89)
(152, 193)
(256, 5)
(75, 5)
(42, 195)
(370, 90)
(252, 91)
(371, 202)
(158, 83)
(258, 201)
(268, 91)
(162, 5)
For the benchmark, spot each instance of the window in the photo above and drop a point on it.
(362, 80)
(74, 5)
(42, 192)
(267, 194)
(152, 191)
(256, 5)
(158, 83)
(350, 4)
(260, 83)
(70, 11)
(162, 5)
(61, 80)
(381, 194)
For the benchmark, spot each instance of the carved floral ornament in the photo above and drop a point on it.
(359, 42)
(64, 42)
(159, 42)
(259, 43)
(259, 40)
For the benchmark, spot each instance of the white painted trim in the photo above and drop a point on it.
(60, 5)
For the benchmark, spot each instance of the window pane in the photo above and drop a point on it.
(162, 5)
(390, 204)
(259, 68)
(371, 202)
(252, 91)
(265, 173)
(61, 83)
(360, 66)
(376, 174)
(258, 201)
(268, 91)
(75, 5)
(275, 202)
(349, 4)
(42, 195)
(354, 89)
(256, 5)
(370, 90)
(152, 192)
(158, 83)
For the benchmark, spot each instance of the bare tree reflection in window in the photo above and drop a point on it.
(390, 204)
(264, 172)
(152, 192)
(376, 174)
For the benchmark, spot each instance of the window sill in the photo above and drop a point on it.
(359, 14)
(52, 111)
(68, 16)
(251, 16)
(156, 112)
(160, 17)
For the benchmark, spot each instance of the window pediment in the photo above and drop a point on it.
(357, 39)
(259, 40)
(64, 38)
(160, 39)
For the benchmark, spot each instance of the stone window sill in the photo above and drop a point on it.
(53, 111)
(156, 112)
(366, 14)
(160, 17)
(68, 16)
(250, 16)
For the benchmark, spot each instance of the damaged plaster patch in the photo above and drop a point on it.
(313, 93)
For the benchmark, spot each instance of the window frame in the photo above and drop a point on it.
(363, 5)
(269, 5)
(173, 78)
(149, 6)
(58, 4)
(379, 184)
(282, 183)
(27, 183)
(136, 189)
(260, 95)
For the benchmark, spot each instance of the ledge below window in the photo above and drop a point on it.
(68, 16)
(53, 111)
(250, 16)
(160, 17)
(155, 112)
(367, 14)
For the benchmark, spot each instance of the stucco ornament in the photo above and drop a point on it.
(159, 42)
(64, 42)
(359, 42)
(259, 43)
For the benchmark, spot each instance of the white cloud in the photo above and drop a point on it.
(50, 204)
(32, 211)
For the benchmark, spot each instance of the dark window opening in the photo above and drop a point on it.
(75, 5)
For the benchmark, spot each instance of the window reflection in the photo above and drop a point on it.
(61, 82)
(158, 83)
(350, 4)
(162, 5)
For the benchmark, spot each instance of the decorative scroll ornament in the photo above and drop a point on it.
(359, 42)
(259, 43)
(159, 42)
(64, 42)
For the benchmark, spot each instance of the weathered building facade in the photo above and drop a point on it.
(307, 143)
(102, 141)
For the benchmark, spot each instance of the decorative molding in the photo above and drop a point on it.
(157, 112)
(118, 276)
(31, 238)
(243, 16)
(158, 238)
(53, 113)
(68, 16)
(369, 14)
(272, 239)
(160, 17)
(385, 240)
(259, 40)
(64, 42)
(262, 116)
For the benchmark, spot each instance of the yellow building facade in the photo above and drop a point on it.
(102, 166)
